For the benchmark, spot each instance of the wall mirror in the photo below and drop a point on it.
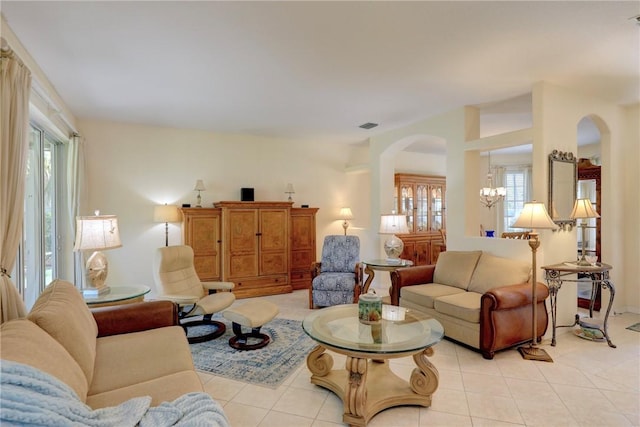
(563, 176)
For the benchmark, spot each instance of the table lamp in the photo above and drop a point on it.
(345, 215)
(166, 213)
(392, 225)
(99, 232)
(534, 216)
(583, 209)
(289, 191)
(199, 187)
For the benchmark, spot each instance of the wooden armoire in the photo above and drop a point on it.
(260, 246)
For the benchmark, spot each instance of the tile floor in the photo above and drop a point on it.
(589, 384)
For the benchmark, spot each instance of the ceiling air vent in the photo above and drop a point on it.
(368, 125)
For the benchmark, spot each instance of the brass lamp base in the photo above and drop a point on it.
(534, 353)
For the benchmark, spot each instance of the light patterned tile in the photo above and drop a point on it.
(402, 416)
(244, 415)
(553, 413)
(431, 418)
(321, 423)
(261, 397)
(488, 422)
(450, 379)
(488, 384)
(300, 402)
(525, 389)
(494, 407)
(223, 388)
(332, 409)
(625, 402)
(450, 401)
(558, 373)
(281, 419)
(519, 368)
(583, 401)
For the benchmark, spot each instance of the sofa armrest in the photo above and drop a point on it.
(136, 317)
(408, 276)
(506, 317)
(512, 296)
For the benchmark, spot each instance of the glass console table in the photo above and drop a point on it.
(382, 265)
(367, 385)
(118, 295)
(556, 274)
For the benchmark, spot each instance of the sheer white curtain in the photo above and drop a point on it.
(499, 181)
(15, 89)
(75, 189)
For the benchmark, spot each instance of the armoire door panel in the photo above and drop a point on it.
(243, 266)
(273, 230)
(273, 263)
(242, 231)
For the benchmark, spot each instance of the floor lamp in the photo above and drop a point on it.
(166, 213)
(534, 216)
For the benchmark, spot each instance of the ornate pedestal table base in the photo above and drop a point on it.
(368, 386)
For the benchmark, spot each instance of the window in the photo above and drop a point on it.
(517, 181)
(37, 262)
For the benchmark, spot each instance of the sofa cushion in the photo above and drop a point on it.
(149, 354)
(493, 271)
(465, 306)
(62, 313)
(454, 268)
(424, 295)
(24, 342)
(162, 389)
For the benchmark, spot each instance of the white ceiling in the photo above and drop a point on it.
(315, 71)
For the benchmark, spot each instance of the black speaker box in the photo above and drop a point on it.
(246, 194)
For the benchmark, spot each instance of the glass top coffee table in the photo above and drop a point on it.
(367, 385)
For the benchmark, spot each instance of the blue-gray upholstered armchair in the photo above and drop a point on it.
(336, 279)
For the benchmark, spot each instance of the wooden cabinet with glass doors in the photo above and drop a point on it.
(421, 198)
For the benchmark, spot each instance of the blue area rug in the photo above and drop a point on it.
(268, 366)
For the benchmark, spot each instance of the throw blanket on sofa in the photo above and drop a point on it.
(32, 397)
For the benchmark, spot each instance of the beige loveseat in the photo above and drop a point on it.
(481, 300)
(107, 355)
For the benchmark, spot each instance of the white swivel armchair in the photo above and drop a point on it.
(176, 280)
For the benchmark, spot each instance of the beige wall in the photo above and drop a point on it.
(131, 168)
(556, 113)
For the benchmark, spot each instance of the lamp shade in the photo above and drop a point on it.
(166, 213)
(345, 213)
(534, 216)
(289, 189)
(199, 186)
(583, 209)
(393, 224)
(97, 233)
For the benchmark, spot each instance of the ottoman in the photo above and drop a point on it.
(252, 314)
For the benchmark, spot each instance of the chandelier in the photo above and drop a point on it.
(490, 195)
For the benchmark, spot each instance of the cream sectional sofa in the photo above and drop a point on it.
(106, 355)
(482, 300)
